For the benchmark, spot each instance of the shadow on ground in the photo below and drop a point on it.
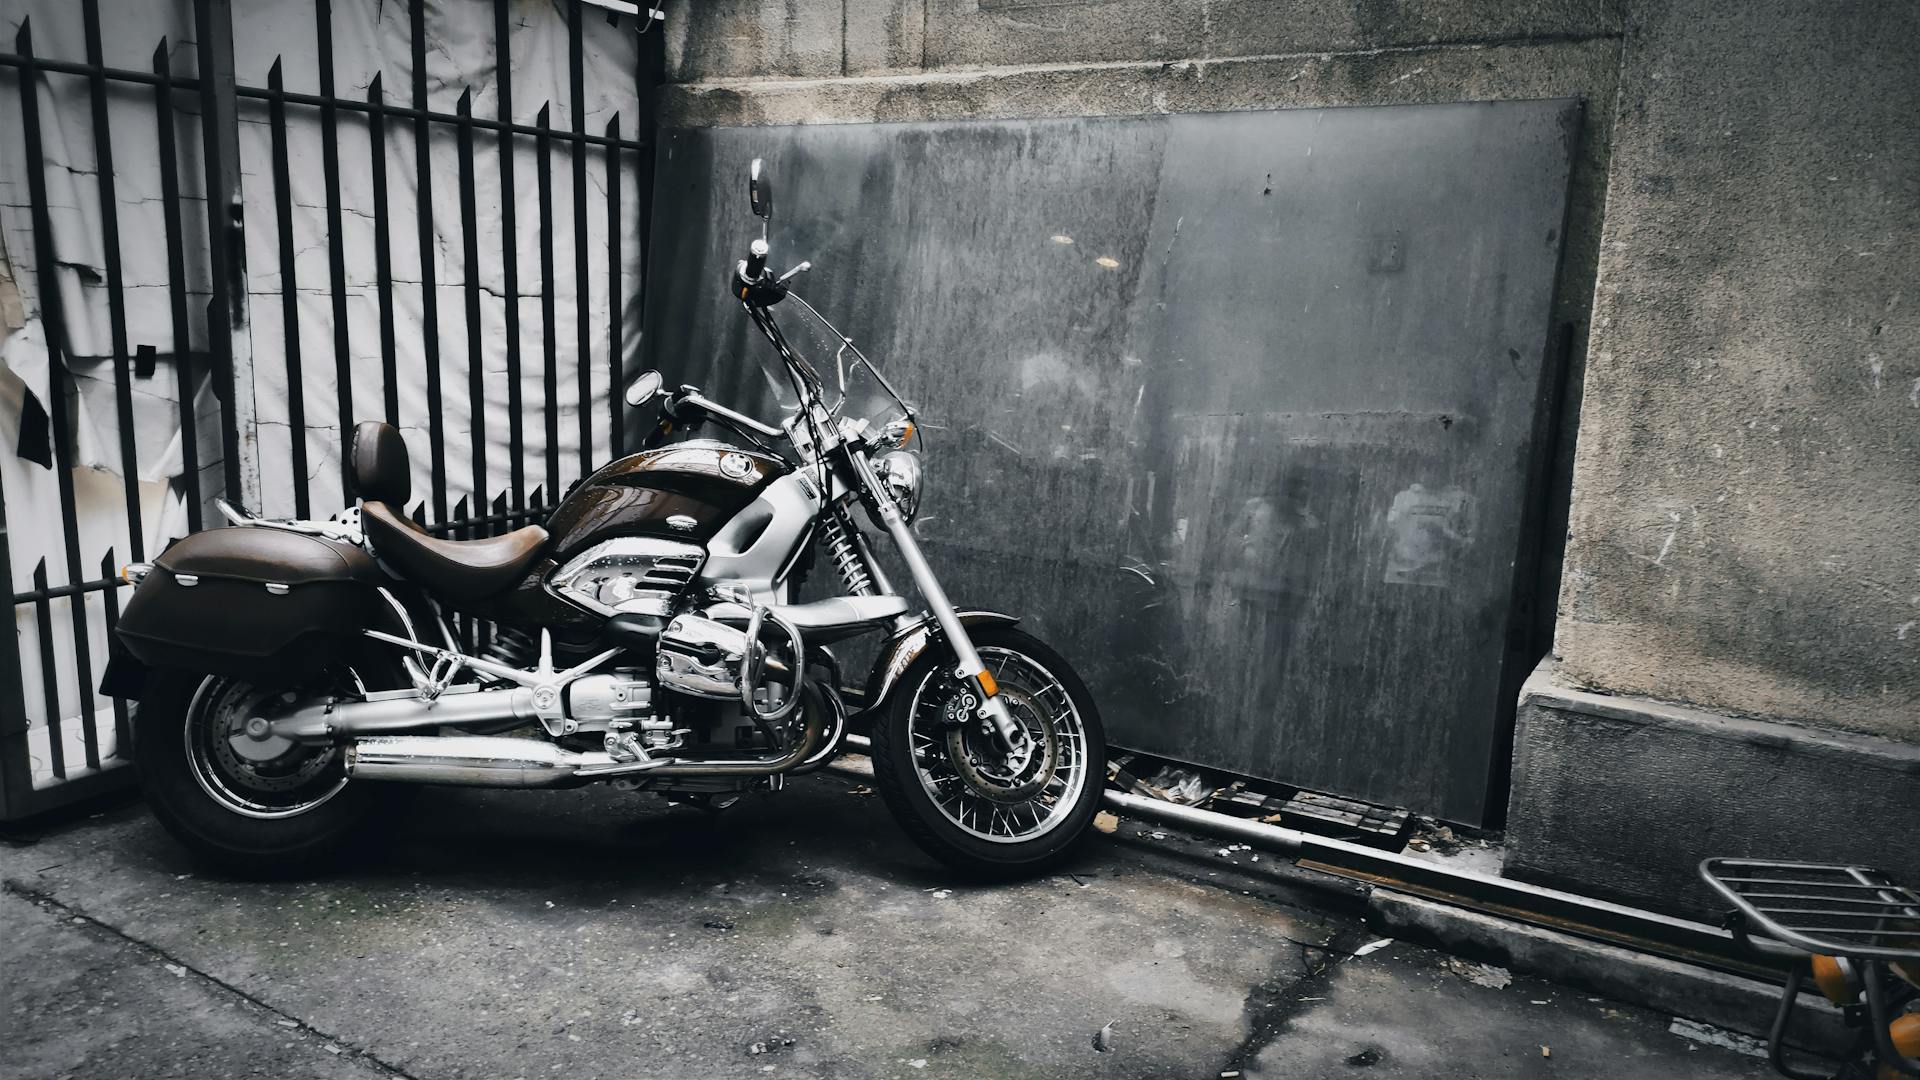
(592, 934)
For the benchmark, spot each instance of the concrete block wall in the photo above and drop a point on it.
(1744, 535)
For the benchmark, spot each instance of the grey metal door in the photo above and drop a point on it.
(1241, 409)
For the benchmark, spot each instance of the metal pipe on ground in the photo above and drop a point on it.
(1600, 920)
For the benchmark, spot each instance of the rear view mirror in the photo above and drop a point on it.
(759, 191)
(644, 388)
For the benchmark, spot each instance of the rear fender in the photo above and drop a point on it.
(906, 645)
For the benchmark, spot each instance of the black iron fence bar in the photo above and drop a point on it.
(382, 254)
(109, 580)
(476, 359)
(616, 375)
(116, 296)
(550, 356)
(582, 282)
(177, 281)
(226, 222)
(510, 254)
(650, 72)
(289, 290)
(122, 735)
(59, 380)
(16, 772)
(429, 297)
(336, 238)
(535, 510)
(49, 676)
(295, 97)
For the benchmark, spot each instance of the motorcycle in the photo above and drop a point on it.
(294, 677)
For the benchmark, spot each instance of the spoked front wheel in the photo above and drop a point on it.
(962, 795)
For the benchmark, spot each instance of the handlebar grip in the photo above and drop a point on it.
(756, 261)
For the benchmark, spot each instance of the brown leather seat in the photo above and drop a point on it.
(456, 569)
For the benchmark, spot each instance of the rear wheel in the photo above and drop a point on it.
(245, 801)
(958, 793)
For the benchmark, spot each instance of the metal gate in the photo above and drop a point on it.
(49, 764)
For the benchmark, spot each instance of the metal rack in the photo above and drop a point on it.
(1855, 929)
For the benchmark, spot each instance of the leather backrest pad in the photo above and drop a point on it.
(381, 470)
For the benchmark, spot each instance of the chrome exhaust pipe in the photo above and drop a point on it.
(399, 710)
(498, 761)
(479, 761)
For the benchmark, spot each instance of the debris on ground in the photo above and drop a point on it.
(941, 894)
(1369, 1056)
(1106, 822)
(1707, 1034)
(1546, 1051)
(1493, 978)
(1103, 1039)
(1440, 839)
(1176, 784)
(1373, 946)
(176, 970)
(860, 789)
(718, 924)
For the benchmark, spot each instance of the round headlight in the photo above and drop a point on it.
(899, 473)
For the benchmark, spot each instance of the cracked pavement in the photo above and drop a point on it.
(593, 934)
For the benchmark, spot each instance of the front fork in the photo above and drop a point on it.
(970, 670)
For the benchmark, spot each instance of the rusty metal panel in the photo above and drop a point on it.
(1240, 409)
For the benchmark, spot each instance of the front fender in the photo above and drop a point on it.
(906, 645)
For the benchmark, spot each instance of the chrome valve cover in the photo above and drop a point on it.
(701, 657)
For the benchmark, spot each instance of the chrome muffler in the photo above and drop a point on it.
(478, 761)
(499, 761)
(393, 710)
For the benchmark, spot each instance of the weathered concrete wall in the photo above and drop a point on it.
(1745, 533)
(1622, 797)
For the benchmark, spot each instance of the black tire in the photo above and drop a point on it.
(222, 838)
(899, 783)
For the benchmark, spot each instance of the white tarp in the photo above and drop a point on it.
(370, 36)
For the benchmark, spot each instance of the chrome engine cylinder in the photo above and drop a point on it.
(700, 657)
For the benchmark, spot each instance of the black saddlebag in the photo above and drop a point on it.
(248, 601)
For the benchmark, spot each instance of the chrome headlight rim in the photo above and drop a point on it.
(902, 476)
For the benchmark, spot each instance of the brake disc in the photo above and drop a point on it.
(981, 762)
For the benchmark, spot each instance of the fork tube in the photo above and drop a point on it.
(992, 708)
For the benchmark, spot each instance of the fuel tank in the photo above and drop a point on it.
(686, 491)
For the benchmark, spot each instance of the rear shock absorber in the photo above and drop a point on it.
(846, 554)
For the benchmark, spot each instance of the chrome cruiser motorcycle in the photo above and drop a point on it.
(294, 676)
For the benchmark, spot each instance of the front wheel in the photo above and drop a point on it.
(958, 793)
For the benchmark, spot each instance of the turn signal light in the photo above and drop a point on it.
(1835, 978)
(1904, 1033)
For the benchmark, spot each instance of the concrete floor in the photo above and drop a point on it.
(590, 934)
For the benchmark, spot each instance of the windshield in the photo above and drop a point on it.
(850, 379)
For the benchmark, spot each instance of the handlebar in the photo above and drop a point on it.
(691, 395)
(756, 266)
